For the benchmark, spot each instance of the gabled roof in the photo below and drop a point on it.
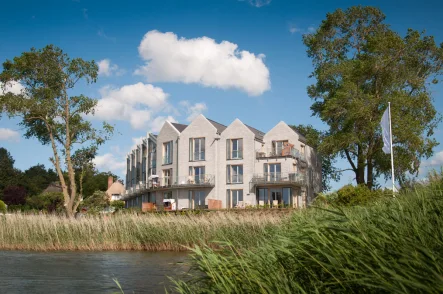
(301, 137)
(53, 187)
(179, 127)
(258, 134)
(220, 128)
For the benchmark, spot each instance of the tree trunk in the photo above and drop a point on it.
(71, 173)
(370, 182)
(360, 172)
(56, 163)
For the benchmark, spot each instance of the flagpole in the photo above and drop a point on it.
(392, 152)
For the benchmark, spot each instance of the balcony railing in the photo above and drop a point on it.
(198, 156)
(277, 152)
(279, 178)
(153, 163)
(235, 179)
(166, 182)
(167, 159)
(235, 154)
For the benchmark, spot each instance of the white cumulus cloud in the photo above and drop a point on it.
(203, 61)
(13, 87)
(9, 135)
(193, 110)
(106, 68)
(134, 103)
(110, 162)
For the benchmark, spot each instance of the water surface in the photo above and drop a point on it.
(88, 272)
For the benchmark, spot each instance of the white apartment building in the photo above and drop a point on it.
(209, 165)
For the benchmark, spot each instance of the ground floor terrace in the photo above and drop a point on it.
(206, 198)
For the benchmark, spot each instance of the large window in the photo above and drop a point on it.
(128, 173)
(278, 147)
(263, 197)
(167, 177)
(167, 152)
(234, 148)
(234, 174)
(196, 149)
(234, 198)
(197, 174)
(272, 171)
(199, 199)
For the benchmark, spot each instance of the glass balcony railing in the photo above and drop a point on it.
(278, 152)
(236, 154)
(279, 178)
(235, 179)
(198, 156)
(197, 180)
(167, 159)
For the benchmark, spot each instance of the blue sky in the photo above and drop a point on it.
(264, 86)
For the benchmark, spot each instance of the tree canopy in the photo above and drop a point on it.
(49, 111)
(360, 65)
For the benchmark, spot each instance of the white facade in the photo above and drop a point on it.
(237, 166)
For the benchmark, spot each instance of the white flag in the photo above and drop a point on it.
(386, 132)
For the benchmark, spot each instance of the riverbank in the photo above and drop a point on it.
(149, 232)
(394, 245)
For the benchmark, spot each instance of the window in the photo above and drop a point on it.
(167, 177)
(128, 173)
(144, 169)
(196, 149)
(263, 197)
(234, 174)
(237, 198)
(167, 152)
(197, 174)
(234, 148)
(167, 195)
(132, 170)
(278, 147)
(272, 171)
(199, 199)
(287, 197)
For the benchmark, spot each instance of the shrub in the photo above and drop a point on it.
(2, 207)
(355, 195)
(118, 204)
(14, 195)
(48, 201)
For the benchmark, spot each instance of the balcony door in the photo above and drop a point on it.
(276, 197)
(199, 174)
(272, 172)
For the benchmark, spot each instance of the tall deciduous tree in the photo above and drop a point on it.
(49, 111)
(314, 138)
(360, 65)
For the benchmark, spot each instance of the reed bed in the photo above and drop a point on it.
(392, 246)
(153, 232)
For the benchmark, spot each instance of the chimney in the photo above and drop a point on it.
(110, 181)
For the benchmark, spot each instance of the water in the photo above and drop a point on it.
(88, 272)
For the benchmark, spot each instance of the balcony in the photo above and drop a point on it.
(167, 160)
(198, 156)
(235, 154)
(235, 179)
(276, 152)
(297, 179)
(182, 182)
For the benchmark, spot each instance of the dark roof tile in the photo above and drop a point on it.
(220, 128)
(179, 127)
